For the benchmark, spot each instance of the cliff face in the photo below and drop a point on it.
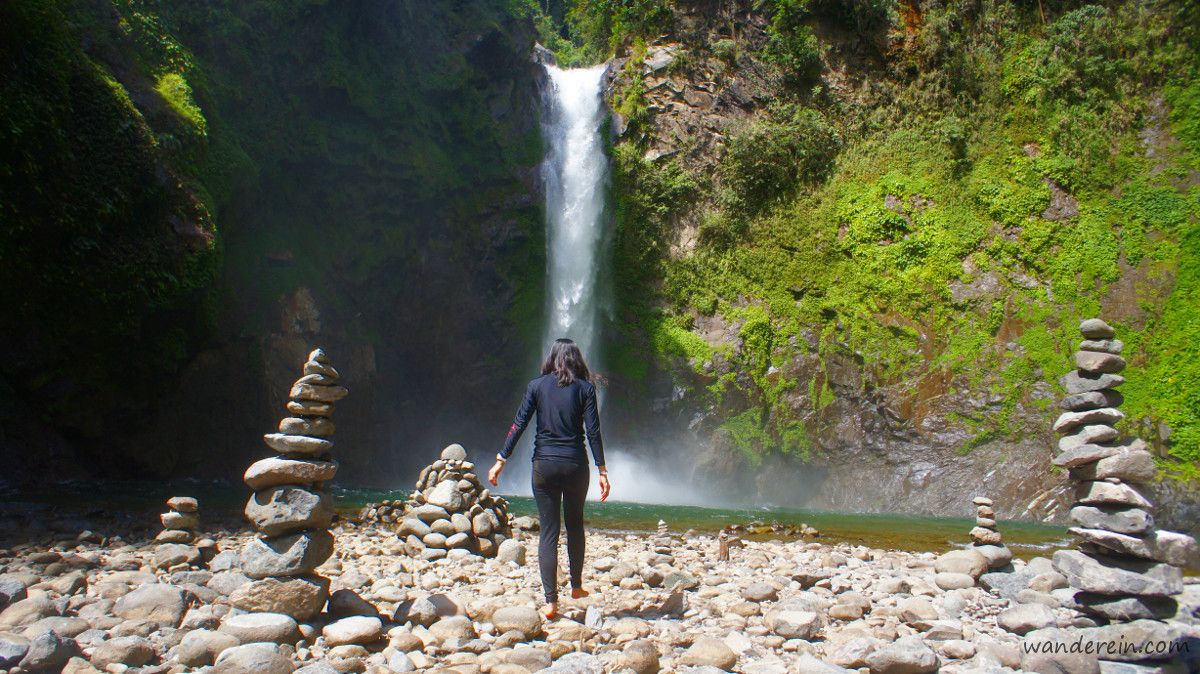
(857, 241)
(202, 192)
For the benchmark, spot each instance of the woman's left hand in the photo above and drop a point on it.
(494, 473)
(605, 487)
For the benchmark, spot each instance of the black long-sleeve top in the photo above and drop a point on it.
(565, 414)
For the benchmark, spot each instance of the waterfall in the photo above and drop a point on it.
(576, 184)
(575, 176)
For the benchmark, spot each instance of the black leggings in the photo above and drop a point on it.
(554, 483)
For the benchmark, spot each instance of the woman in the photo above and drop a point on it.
(565, 401)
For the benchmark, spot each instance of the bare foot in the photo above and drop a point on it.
(550, 611)
(579, 593)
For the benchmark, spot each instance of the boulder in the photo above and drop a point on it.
(511, 551)
(317, 427)
(1133, 464)
(1099, 362)
(290, 555)
(353, 630)
(709, 652)
(522, 619)
(301, 597)
(1024, 618)
(200, 648)
(275, 511)
(1083, 455)
(48, 651)
(253, 659)
(13, 648)
(1104, 574)
(1121, 520)
(446, 495)
(298, 444)
(157, 603)
(320, 394)
(183, 504)
(641, 656)
(1068, 421)
(280, 470)
(454, 452)
(1090, 400)
(1051, 650)
(997, 556)
(1084, 435)
(1164, 635)
(1124, 609)
(906, 655)
(133, 651)
(1109, 493)
(453, 628)
(1161, 546)
(967, 561)
(1095, 328)
(27, 611)
(794, 623)
(262, 627)
(953, 581)
(1081, 382)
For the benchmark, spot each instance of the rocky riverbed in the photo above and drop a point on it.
(89, 603)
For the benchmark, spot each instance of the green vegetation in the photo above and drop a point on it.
(956, 215)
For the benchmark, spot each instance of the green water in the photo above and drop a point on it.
(901, 532)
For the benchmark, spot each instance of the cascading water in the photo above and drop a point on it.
(575, 175)
(576, 181)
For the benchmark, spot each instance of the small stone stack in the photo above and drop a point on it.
(384, 512)
(451, 510)
(180, 521)
(290, 507)
(1125, 568)
(985, 532)
(985, 538)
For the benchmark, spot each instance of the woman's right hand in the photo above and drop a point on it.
(494, 473)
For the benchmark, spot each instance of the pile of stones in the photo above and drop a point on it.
(1125, 569)
(985, 532)
(290, 507)
(384, 512)
(450, 510)
(180, 521)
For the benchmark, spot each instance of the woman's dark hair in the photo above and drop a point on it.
(566, 362)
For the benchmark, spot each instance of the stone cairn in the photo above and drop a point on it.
(1125, 570)
(290, 507)
(985, 532)
(450, 510)
(180, 521)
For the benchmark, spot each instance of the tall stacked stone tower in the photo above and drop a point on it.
(1125, 571)
(290, 507)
